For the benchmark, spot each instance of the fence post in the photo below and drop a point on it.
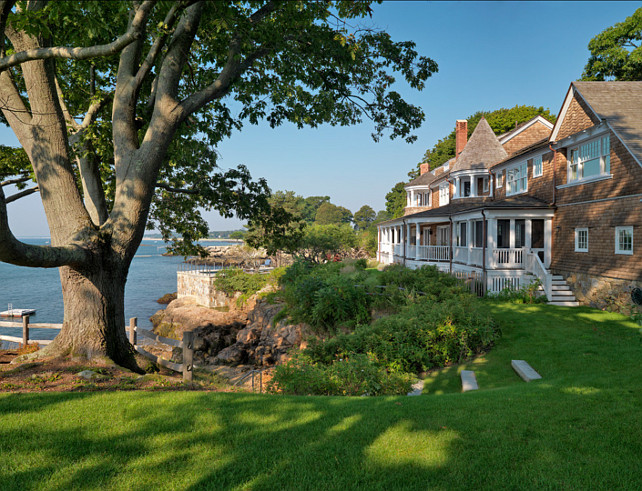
(188, 355)
(25, 330)
(133, 323)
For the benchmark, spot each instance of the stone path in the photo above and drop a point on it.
(524, 370)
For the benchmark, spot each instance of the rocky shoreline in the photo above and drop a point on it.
(233, 335)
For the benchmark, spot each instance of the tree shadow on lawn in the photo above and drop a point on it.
(535, 435)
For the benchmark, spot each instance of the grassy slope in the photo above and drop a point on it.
(578, 428)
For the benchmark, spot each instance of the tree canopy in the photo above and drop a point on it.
(616, 52)
(119, 106)
(328, 214)
(364, 217)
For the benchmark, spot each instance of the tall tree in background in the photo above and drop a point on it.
(616, 53)
(396, 200)
(363, 217)
(332, 214)
(119, 107)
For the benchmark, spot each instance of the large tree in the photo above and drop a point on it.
(119, 107)
(616, 53)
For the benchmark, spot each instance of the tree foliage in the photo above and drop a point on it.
(396, 200)
(364, 217)
(329, 213)
(616, 53)
(119, 107)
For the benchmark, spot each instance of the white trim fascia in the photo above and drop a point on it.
(622, 142)
(512, 134)
(596, 131)
(417, 187)
(587, 180)
(565, 105)
(473, 215)
(438, 219)
(525, 213)
(469, 172)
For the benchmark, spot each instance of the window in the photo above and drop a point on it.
(624, 240)
(537, 166)
(516, 179)
(503, 234)
(444, 197)
(591, 159)
(466, 188)
(581, 240)
(479, 233)
(485, 185)
(500, 179)
(461, 234)
(520, 233)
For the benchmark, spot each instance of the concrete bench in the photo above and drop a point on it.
(524, 370)
(468, 381)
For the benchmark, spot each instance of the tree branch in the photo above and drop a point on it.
(22, 194)
(15, 252)
(171, 189)
(17, 180)
(132, 34)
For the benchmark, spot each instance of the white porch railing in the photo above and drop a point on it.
(411, 251)
(398, 250)
(433, 253)
(508, 258)
(534, 265)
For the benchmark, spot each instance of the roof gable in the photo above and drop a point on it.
(618, 104)
(482, 150)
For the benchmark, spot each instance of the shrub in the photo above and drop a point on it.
(234, 280)
(426, 334)
(527, 294)
(355, 376)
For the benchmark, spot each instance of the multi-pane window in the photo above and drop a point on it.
(516, 179)
(499, 179)
(581, 240)
(461, 234)
(590, 159)
(624, 240)
(537, 166)
(444, 197)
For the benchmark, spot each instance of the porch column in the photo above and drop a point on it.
(528, 234)
(473, 186)
(492, 242)
(511, 243)
(548, 244)
(412, 198)
(469, 239)
(457, 187)
(408, 236)
(417, 238)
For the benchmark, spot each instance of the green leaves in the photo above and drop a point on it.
(616, 53)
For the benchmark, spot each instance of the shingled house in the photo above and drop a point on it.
(560, 203)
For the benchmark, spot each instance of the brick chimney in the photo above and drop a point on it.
(423, 168)
(461, 136)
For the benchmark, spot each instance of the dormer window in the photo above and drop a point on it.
(589, 160)
(444, 197)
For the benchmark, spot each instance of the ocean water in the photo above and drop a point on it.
(151, 276)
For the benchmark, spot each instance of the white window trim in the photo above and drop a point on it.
(603, 173)
(485, 186)
(617, 240)
(541, 166)
(499, 179)
(444, 192)
(577, 241)
(524, 166)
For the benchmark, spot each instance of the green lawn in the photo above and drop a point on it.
(578, 428)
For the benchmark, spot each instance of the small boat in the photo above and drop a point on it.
(17, 312)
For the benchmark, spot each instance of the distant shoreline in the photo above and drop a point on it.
(200, 240)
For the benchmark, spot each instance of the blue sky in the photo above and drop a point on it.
(490, 55)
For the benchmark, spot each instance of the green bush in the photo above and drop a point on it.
(233, 280)
(527, 294)
(424, 335)
(354, 376)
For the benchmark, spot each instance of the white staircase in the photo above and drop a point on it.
(561, 293)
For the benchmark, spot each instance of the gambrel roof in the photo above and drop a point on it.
(482, 150)
(618, 104)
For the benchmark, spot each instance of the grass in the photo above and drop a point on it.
(580, 427)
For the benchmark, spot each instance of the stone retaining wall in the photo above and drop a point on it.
(199, 285)
(603, 293)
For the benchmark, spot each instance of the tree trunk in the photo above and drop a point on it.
(94, 322)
